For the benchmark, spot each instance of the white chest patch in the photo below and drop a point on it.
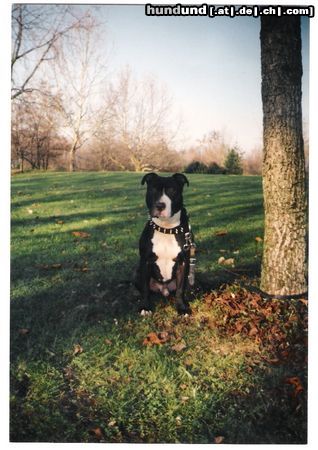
(166, 247)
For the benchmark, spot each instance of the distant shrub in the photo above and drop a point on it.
(196, 167)
(199, 167)
(215, 169)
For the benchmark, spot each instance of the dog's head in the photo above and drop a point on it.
(164, 194)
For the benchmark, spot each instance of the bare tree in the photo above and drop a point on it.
(139, 128)
(252, 163)
(80, 73)
(35, 131)
(36, 33)
(212, 148)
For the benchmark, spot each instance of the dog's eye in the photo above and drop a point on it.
(170, 191)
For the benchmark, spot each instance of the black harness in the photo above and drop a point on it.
(188, 246)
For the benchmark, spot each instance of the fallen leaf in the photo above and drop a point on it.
(239, 326)
(80, 234)
(179, 347)
(304, 301)
(296, 383)
(285, 354)
(49, 266)
(24, 331)
(221, 233)
(229, 262)
(219, 439)
(258, 239)
(82, 269)
(163, 336)
(157, 338)
(59, 222)
(253, 331)
(108, 342)
(112, 423)
(152, 339)
(96, 432)
(226, 262)
(77, 350)
(272, 360)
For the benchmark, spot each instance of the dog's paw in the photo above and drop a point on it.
(145, 312)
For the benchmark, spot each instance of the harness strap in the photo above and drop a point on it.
(189, 245)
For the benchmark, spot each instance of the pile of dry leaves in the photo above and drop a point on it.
(278, 326)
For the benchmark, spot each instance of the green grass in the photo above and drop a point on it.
(80, 370)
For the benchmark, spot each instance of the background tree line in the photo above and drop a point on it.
(69, 112)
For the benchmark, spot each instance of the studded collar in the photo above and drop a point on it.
(175, 230)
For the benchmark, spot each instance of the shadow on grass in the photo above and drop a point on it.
(91, 296)
(69, 297)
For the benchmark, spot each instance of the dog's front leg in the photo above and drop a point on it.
(181, 282)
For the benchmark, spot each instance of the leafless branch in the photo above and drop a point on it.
(34, 35)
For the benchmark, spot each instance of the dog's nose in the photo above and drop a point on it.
(160, 206)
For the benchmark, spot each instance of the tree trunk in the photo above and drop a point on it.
(72, 160)
(138, 166)
(284, 266)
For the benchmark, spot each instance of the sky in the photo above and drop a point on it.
(211, 67)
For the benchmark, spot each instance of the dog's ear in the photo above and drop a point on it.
(149, 177)
(181, 179)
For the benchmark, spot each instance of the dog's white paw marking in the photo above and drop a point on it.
(145, 312)
(186, 315)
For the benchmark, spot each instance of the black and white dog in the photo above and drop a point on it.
(166, 244)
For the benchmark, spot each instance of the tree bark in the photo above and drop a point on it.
(284, 266)
(72, 157)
